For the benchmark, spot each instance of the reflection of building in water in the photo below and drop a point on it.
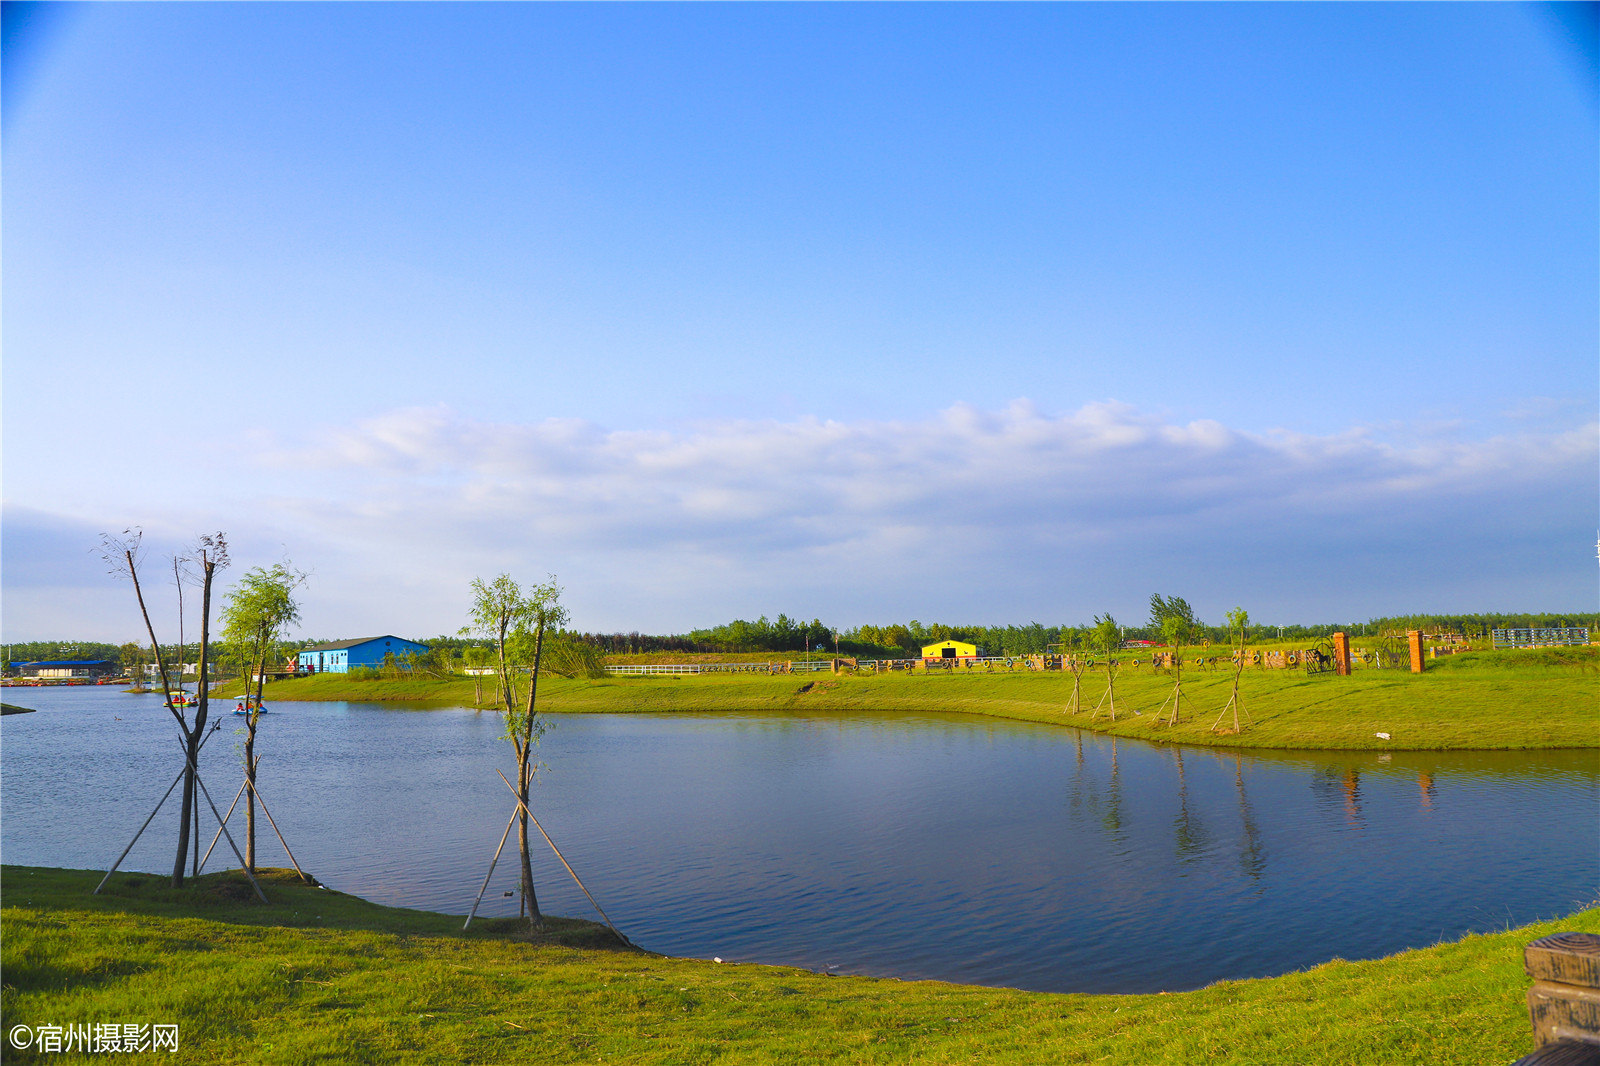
(1339, 788)
(1352, 795)
(1425, 784)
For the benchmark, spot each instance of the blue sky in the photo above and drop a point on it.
(868, 312)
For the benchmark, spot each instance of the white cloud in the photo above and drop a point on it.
(980, 515)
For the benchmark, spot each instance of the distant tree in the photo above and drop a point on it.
(517, 622)
(1171, 607)
(130, 660)
(254, 618)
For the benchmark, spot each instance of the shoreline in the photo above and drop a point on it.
(320, 969)
(1460, 708)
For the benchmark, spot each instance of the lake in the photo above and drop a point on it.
(952, 847)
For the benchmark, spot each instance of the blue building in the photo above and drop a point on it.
(343, 655)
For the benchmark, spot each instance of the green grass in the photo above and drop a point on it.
(323, 977)
(1482, 700)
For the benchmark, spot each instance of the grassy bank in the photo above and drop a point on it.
(323, 977)
(1485, 700)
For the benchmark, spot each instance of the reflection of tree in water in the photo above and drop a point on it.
(1253, 855)
(1111, 817)
(1107, 808)
(1189, 833)
(1425, 784)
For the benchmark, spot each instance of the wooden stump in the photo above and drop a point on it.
(1564, 1002)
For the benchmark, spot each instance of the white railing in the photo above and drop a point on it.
(988, 662)
(1539, 638)
(721, 668)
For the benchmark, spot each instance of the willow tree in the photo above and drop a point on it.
(1175, 620)
(201, 563)
(517, 621)
(258, 611)
(1175, 631)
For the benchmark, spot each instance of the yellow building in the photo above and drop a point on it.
(950, 649)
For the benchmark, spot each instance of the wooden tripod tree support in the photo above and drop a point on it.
(248, 784)
(1075, 704)
(164, 797)
(521, 808)
(189, 767)
(1240, 618)
(1110, 692)
(1176, 697)
(1234, 702)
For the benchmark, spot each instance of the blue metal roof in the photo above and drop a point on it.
(71, 662)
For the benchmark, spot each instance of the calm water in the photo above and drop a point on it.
(906, 845)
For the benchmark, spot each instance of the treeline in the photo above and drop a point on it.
(1481, 625)
(785, 634)
(575, 652)
(636, 642)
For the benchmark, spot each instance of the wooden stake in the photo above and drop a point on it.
(262, 895)
(140, 833)
(503, 837)
(563, 859)
(257, 794)
(152, 817)
(218, 837)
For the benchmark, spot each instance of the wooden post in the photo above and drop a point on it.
(1564, 1002)
(1414, 641)
(1341, 655)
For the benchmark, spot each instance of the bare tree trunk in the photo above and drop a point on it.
(208, 567)
(252, 719)
(250, 796)
(524, 779)
(189, 799)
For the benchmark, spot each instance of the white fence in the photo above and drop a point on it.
(1539, 638)
(1013, 662)
(721, 668)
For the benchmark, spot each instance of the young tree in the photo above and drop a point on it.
(1175, 620)
(517, 621)
(1238, 622)
(1071, 640)
(1107, 636)
(258, 611)
(208, 555)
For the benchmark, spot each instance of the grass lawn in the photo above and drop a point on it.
(323, 977)
(1548, 698)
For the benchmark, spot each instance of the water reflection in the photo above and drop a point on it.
(1252, 853)
(1188, 831)
(911, 845)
